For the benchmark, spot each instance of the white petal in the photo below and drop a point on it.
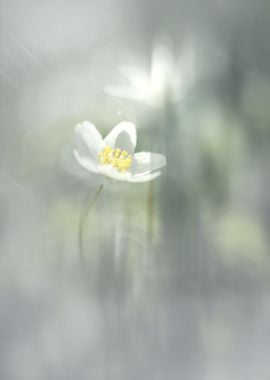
(162, 64)
(146, 162)
(122, 136)
(110, 172)
(88, 140)
(86, 163)
(130, 93)
(137, 77)
(144, 178)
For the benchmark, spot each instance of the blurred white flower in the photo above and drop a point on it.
(167, 79)
(114, 156)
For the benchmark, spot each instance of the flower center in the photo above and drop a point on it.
(117, 158)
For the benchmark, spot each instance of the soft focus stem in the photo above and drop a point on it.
(89, 204)
(150, 212)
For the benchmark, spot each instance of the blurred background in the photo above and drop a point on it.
(176, 276)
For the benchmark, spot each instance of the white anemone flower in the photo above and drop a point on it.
(113, 156)
(167, 79)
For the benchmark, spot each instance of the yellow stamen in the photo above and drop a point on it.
(117, 158)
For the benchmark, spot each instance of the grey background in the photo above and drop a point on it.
(192, 304)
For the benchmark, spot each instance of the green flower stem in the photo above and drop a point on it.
(89, 204)
(150, 212)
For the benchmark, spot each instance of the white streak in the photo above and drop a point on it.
(23, 189)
